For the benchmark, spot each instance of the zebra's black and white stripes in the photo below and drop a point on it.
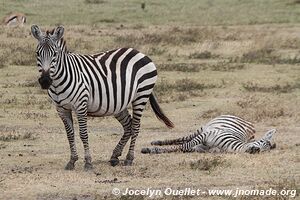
(97, 85)
(226, 133)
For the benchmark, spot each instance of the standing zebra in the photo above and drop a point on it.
(96, 85)
(226, 133)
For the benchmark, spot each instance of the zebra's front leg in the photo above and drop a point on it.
(66, 117)
(82, 121)
(125, 119)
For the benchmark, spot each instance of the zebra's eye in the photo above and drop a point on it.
(37, 53)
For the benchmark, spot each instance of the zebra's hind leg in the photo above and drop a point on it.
(138, 108)
(66, 117)
(125, 119)
(178, 141)
(135, 128)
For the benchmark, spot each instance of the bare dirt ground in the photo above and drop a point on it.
(250, 71)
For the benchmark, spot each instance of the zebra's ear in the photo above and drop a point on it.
(58, 33)
(268, 136)
(36, 32)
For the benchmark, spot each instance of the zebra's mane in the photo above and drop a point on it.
(62, 45)
(49, 32)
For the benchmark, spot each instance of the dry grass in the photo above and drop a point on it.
(238, 76)
(253, 87)
(202, 55)
(181, 67)
(266, 56)
(207, 164)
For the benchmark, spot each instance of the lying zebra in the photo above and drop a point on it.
(225, 133)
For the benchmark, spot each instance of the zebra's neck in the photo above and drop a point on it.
(62, 57)
(62, 78)
(62, 45)
(60, 68)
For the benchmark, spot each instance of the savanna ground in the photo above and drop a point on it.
(213, 57)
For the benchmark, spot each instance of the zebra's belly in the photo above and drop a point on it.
(97, 111)
(101, 113)
(222, 145)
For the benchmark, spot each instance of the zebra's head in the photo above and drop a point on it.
(47, 52)
(266, 141)
(264, 144)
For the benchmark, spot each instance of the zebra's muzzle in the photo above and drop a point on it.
(45, 81)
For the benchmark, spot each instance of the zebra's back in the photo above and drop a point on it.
(115, 79)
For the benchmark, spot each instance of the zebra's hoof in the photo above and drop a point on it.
(145, 150)
(128, 162)
(69, 166)
(88, 166)
(114, 161)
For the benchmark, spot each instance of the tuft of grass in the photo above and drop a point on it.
(296, 1)
(17, 54)
(253, 87)
(3, 146)
(106, 20)
(226, 66)
(181, 67)
(202, 55)
(189, 85)
(32, 100)
(33, 115)
(207, 164)
(156, 51)
(3, 58)
(211, 113)
(183, 85)
(222, 66)
(258, 56)
(267, 56)
(131, 197)
(175, 36)
(94, 1)
(30, 83)
(181, 90)
(257, 108)
(11, 100)
(6, 137)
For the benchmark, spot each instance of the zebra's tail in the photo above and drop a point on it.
(159, 113)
